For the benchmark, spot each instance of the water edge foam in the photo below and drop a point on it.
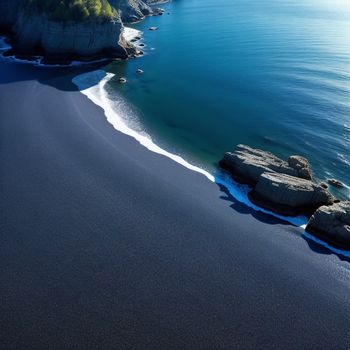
(92, 85)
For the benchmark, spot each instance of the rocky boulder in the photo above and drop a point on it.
(246, 164)
(289, 195)
(332, 224)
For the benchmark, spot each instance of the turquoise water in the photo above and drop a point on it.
(274, 74)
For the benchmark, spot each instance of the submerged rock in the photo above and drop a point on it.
(289, 195)
(332, 224)
(246, 164)
(335, 183)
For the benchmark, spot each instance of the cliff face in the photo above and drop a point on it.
(131, 10)
(34, 33)
(90, 39)
(8, 13)
(81, 39)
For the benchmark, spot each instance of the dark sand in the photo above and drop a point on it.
(105, 245)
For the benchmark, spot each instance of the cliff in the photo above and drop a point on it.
(37, 32)
(69, 39)
(131, 10)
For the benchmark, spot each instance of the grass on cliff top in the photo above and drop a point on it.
(72, 10)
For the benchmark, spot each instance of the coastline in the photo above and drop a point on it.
(125, 239)
(92, 85)
(111, 241)
(128, 34)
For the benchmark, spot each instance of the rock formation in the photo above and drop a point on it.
(284, 187)
(289, 195)
(39, 34)
(335, 183)
(332, 224)
(246, 164)
(69, 39)
(131, 10)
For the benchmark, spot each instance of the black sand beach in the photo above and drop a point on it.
(105, 245)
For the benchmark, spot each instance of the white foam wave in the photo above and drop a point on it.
(343, 158)
(131, 33)
(326, 245)
(93, 85)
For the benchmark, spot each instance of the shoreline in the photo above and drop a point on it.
(92, 86)
(108, 245)
(239, 192)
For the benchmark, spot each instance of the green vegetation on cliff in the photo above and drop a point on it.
(72, 10)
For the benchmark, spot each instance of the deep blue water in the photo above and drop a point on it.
(274, 74)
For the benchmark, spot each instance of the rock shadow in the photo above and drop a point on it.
(245, 209)
(59, 77)
(319, 248)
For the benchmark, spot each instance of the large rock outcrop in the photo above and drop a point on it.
(332, 224)
(289, 195)
(131, 10)
(69, 39)
(35, 33)
(284, 187)
(246, 164)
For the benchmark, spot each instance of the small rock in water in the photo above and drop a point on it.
(335, 183)
(139, 71)
(122, 80)
(141, 44)
(153, 28)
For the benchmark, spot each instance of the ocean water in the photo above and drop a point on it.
(273, 74)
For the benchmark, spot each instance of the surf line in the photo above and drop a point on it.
(93, 84)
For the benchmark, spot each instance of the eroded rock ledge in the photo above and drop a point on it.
(287, 188)
(284, 187)
(246, 164)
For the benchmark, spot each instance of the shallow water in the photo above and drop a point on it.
(272, 74)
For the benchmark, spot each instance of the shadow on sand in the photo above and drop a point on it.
(59, 77)
(315, 246)
(245, 209)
